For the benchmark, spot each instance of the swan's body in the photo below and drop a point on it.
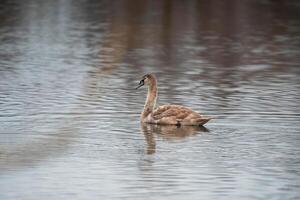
(166, 114)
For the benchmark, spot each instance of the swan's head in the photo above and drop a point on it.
(148, 79)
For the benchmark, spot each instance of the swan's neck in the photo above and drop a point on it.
(150, 101)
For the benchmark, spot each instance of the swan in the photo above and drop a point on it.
(166, 114)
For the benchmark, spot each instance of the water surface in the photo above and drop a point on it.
(69, 113)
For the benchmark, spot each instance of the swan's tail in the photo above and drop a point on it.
(199, 121)
(203, 120)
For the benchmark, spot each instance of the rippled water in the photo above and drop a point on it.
(69, 113)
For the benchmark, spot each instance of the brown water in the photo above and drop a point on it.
(69, 114)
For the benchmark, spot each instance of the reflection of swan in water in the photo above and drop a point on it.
(167, 132)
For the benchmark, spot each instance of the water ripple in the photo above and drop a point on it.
(69, 113)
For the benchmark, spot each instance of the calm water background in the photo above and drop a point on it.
(69, 114)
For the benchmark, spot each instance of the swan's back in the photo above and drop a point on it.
(177, 115)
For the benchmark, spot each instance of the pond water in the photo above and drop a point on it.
(69, 113)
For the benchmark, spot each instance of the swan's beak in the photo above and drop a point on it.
(140, 84)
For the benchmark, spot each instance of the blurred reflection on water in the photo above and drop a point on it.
(167, 132)
(69, 113)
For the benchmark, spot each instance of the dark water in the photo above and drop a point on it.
(69, 114)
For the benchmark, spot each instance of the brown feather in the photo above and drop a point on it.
(176, 114)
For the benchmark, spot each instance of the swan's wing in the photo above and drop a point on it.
(176, 111)
(178, 115)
